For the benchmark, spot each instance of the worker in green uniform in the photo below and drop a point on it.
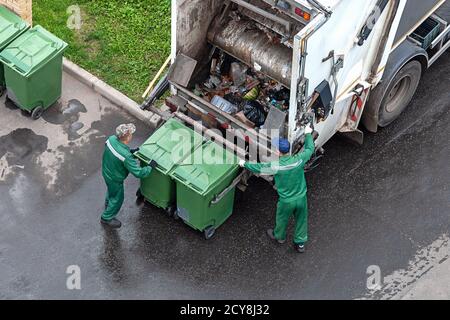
(290, 182)
(118, 162)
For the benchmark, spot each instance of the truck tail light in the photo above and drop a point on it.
(302, 13)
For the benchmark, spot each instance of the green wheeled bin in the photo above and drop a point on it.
(205, 191)
(33, 70)
(11, 27)
(168, 146)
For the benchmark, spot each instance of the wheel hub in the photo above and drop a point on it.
(397, 93)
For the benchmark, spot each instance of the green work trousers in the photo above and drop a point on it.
(297, 208)
(114, 199)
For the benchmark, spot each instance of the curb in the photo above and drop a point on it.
(111, 94)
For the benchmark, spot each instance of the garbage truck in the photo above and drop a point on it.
(336, 63)
(249, 67)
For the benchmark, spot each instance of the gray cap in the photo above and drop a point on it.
(125, 129)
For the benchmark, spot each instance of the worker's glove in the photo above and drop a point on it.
(315, 135)
(133, 151)
(242, 163)
(153, 164)
(308, 129)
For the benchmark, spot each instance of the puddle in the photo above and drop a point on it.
(18, 150)
(73, 129)
(21, 145)
(67, 116)
(59, 114)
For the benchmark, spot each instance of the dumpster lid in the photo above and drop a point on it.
(170, 145)
(11, 25)
(31, 50)
(207, 168)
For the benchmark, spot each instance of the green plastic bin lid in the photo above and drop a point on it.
(210, 165)
(170, 145)
(11, 25)
(32, 50)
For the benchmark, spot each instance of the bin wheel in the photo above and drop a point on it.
(175, 215)
(139, 197)
(37, 113)
(2, 91)
(9, 102)
(209, 233)
(171, 211)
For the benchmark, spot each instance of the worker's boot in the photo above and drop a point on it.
(300, 247)
(114, 223)
(272, 236)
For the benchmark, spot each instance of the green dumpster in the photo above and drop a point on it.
(169, 145)
(11, 27)
(205, 195)
(33, 70)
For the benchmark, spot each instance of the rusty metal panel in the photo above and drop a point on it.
(251, 45)
(182, 70)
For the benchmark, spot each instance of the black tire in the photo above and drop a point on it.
(10, 103)
(171, 211)
(139, 198)
(37, 113)
(209, 233)
(399, 93)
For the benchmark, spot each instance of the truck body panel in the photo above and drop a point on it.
(358, 60)
(415, 12)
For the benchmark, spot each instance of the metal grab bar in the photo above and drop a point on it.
(264, 13)
(222, 195)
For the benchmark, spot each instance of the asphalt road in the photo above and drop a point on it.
(384, 205)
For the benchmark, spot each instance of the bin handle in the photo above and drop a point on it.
(227, 190)
(6, 60)
(19, 69)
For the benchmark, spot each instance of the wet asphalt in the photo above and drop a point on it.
(376, 204)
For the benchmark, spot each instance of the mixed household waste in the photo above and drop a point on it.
(241, 91)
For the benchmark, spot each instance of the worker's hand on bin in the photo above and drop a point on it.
(242, 163)
(133, 151)
(315, 135)
(153, 164)
(308, 129)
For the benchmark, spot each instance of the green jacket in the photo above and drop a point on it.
(118, 162)
(288, 172)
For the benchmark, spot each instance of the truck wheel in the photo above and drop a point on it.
(209, 232)
(37, 113)
(400, 93)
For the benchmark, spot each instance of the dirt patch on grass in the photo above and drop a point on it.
(89, 35)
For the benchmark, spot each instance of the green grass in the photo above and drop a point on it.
(123, 42)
